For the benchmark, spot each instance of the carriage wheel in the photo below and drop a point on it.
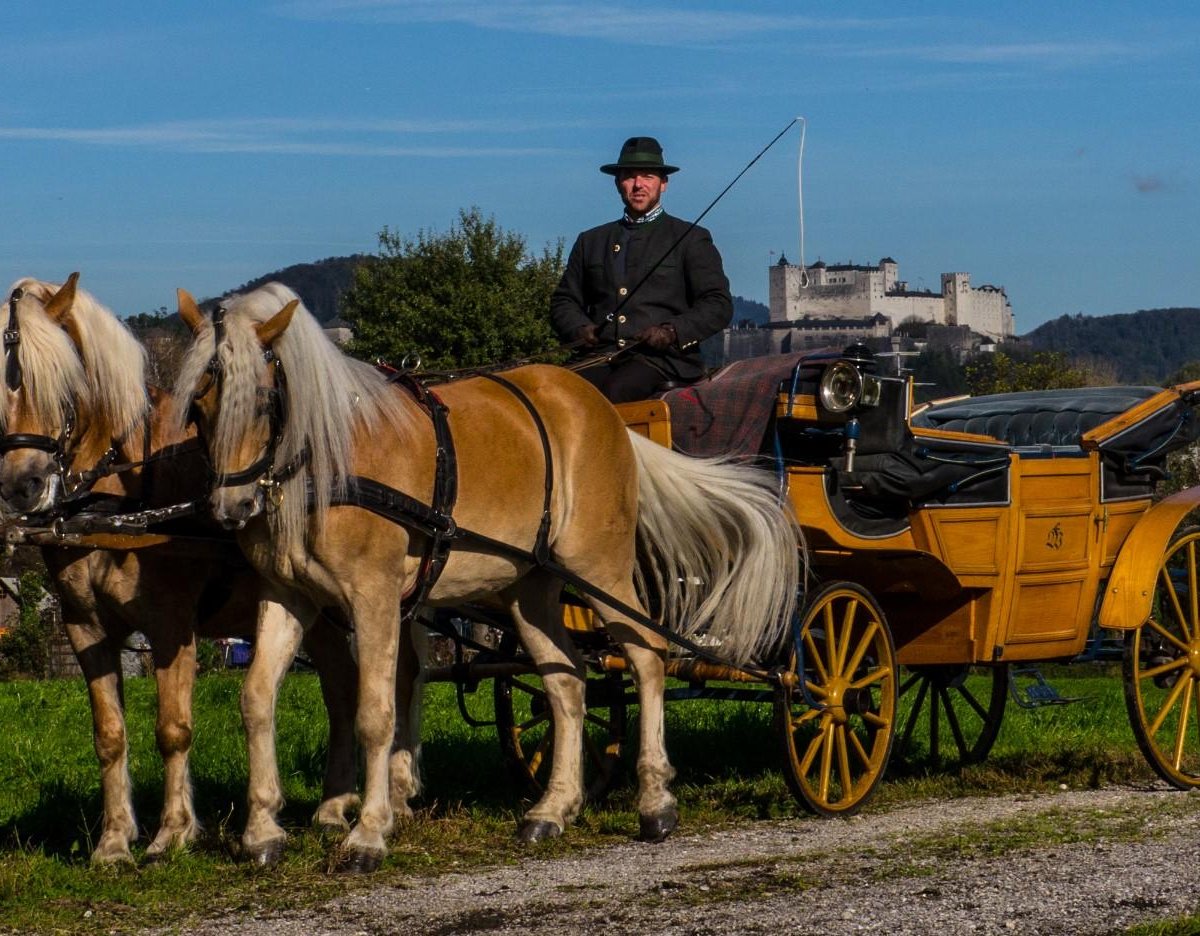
(959, 709)
(524, 724)
(1162, 669)
(838, 722)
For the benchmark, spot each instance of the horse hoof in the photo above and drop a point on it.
(537, 830)
(360, 862)
(657, 828)
(267, 855)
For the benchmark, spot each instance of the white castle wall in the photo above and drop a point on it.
(847, 291)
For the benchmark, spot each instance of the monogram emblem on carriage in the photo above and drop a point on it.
(1054, 539)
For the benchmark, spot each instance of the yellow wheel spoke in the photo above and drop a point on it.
(539, 753)
(1177, 663)
(814, 656)
(826, 767)
(830, 638)
(1190, 630)
(1167, 635)
(814, 748)
(876, 675)
(806, 716)
(875, 720)
(863, 646)
(843, 759)
(848, 618)
(1168, 586)
(1181, 731)
(1169, 704)
(860, 750)
(820, 692)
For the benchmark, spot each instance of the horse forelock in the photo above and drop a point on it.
(53, 375)
(331, 398)
(104, 377)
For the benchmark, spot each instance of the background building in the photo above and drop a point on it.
(807, 304)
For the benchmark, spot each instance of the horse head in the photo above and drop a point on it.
(44, 379)
(74, 380)
(238, 402)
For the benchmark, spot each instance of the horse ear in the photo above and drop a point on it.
(188, 310)
(273, 327)
(60, 303)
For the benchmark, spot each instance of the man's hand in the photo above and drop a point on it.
(658, 337)
(585, 336)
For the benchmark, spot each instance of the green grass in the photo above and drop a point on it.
(726, 755)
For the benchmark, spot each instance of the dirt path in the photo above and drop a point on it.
(1093, 861)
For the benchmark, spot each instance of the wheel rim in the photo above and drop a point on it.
(1162, 669)
(838, 729)
(950, 715)
(526, 730)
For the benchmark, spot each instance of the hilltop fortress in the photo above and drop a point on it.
(815, 306)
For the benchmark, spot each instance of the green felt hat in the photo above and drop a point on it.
(640, 153)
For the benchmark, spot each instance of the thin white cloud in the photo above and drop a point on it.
(1068, 54)
(643, 25)
(293, 136)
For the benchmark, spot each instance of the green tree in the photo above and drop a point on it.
(25, 646)
(469, 297)
(1044, 370)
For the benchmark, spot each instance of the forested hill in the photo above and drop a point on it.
(1143, 347)
(320, 284)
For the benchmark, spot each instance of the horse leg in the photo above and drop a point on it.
(329, 649)
(175, 675)
(99, 658)
(538, 616)
(377, 630)
(278, 637)
(406, 747)
(646, 653)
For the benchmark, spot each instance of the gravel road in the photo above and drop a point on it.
(1077, 862)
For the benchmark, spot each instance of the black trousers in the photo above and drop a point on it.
(627, 379)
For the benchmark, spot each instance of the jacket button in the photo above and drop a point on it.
(608, 318)
(621, 319)
(621, 343)
(616, 248)
(622, 291)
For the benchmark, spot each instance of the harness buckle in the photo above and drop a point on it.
(12, 336)
(273, 491)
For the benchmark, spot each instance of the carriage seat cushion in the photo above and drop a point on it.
(1040, 418)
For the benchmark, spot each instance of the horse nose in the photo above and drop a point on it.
(25, 491)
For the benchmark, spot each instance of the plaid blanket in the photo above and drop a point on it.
(728, 413)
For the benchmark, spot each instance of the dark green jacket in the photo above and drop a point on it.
(688, 289)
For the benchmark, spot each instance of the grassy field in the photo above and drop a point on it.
(726, 756)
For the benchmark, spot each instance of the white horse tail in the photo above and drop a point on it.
(718, 549)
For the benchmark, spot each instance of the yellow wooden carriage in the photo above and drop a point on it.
(964, 536)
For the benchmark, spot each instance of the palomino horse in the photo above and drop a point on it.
(294, 429)
(77, 408)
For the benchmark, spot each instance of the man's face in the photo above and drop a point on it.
(641, 190)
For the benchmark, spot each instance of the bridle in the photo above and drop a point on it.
(14, 379)
(263, 470)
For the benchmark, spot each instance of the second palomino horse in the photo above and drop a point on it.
(299, 436)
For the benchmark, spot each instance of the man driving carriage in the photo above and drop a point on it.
(641, 293)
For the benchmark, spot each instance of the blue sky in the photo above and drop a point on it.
(1048, 148)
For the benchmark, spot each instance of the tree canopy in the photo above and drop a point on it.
(469, 297)
(1044, 370)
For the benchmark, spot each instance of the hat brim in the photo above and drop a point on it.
(613, 168)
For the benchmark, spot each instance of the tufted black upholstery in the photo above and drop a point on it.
(1056, 418)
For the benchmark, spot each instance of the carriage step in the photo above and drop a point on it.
(1036, 693)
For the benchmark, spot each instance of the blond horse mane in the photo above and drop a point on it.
(330, 398)
(105, 375)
